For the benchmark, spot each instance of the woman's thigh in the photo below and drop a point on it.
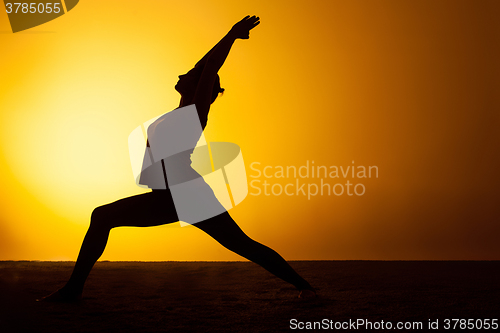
(143, 210)
(222, 228)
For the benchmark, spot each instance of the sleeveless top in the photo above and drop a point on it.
(171, 139)
(166, 151)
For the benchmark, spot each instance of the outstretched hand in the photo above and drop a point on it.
(243, 27)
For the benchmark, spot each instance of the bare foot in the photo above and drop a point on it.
(60, 297)
(307, 294)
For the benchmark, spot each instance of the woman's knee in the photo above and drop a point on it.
(100, 218)
(225, 231)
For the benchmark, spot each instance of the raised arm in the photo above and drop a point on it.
(214, 60)
(203, 60)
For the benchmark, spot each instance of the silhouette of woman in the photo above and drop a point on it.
(200, 86)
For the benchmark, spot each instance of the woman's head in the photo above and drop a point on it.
(188, 82)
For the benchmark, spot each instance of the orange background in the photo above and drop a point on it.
(409, 86)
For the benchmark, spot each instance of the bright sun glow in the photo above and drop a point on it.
(406, 86)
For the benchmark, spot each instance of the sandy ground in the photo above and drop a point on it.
(242, 297)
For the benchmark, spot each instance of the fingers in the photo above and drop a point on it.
(244, 19)
(243, 27)
(252, 21)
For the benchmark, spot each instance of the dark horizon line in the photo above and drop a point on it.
(235, 261)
